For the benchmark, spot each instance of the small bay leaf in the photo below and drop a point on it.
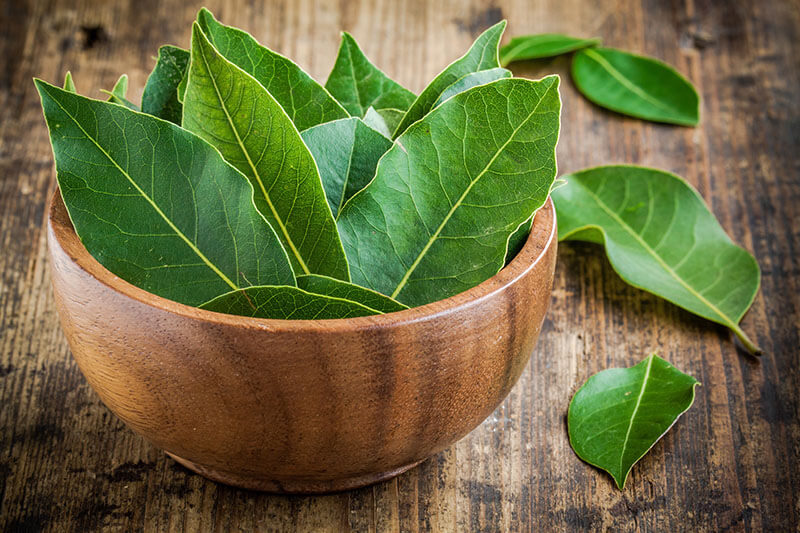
(358, 84)
(542, 45)
(471, 80)
(347, 152)
(634, 85)
(375, 120)
(305, 101)
(118, 94)
(348, 291)
(482, 55)
(69, 85)
(620, 413)
(160, 97)
(155, 204)
(660, 237)
(234, 113)
(437, 217)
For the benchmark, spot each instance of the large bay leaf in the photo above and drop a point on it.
(348, 291)
(471, 80)
(358, 84)
(437, 217)
(660, 237)
(155, 204)
(635, 85)
(347, 152)
(306, 102)
(542, 45)
(620, 413)
(232, 111)
(482, 55)
(160, 97)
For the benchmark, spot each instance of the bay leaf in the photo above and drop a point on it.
(660, 237)
(118, 94)
(287, 303)
(634, 85)
(347, 152)
(518, 239)
(155, 204)
(375, 120)
(69, 85)
(305, 101)
(437, 217)
(542, 45)
(349, 291)
(234, 113)
(160, 97)
(471, 80)
(358, 84)
(620, 413)
(482, 55)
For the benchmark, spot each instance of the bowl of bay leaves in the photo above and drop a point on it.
(303, 298)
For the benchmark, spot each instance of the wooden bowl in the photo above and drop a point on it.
(293, 405)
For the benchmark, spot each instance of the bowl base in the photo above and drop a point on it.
(291, 487)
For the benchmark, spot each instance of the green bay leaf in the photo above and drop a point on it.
(347, 152)
(482, 55)
(233, 112)
(620, 413)
(660, 237)
(358, 84)
(437, 217)
(155, 204)
(542, 45)
(69, 85)
(317, 298)
(118, 94)
(471, 80)
(375, 120)
(639, 86)
(305, 101)
(160, 97)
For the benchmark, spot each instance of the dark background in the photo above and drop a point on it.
(730, 463)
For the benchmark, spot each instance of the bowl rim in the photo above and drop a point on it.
(542, 236)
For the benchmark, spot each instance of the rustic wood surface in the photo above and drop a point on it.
(730, 464)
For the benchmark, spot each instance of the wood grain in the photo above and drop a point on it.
(730, 464)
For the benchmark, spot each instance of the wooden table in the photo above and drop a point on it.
(731, 463)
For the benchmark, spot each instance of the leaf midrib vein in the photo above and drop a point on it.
(635, 410)
(157, 209)
(617, 75)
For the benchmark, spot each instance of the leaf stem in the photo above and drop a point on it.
(749, 345)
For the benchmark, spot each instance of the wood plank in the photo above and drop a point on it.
(731, 463)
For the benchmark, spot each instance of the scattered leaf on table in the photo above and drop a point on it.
(155, 204)
(482, 55)
(634, 85)
(347, 152)
(118, 95)
(660, 237)
(231, 110)
(69, 85)
(358, 84)
(289, 303)
(160, 97)
(620, 413)
(436, 218)
(542, 45)
(305, 101)
(471, 80)
(342, 289)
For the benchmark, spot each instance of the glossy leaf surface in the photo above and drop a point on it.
(620, 413)
(160, 97)
(660, 237)
(347, 152)
(156, 205)
(348, 291)
(471, 80)
(358, 84)
(305, 101)
(482, 55)
(232, 111)
(436, 219)
(634, 85)
(542, 45)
